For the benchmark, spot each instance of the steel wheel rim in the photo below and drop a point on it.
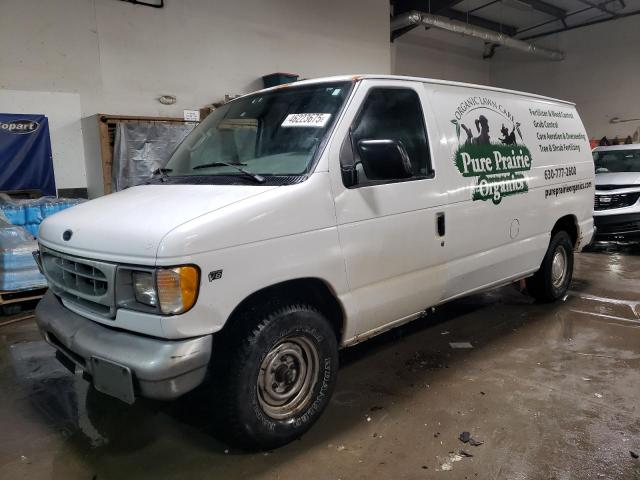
(559, 267)
(288, 374)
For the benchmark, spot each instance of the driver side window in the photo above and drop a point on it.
(394, 114)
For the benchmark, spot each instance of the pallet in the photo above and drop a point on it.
(16, 318)
(16, 298)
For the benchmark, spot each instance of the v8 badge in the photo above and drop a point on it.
(215, 275)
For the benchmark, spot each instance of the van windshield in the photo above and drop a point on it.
(276, 133)
(609, 161)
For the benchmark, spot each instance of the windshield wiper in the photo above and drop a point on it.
(162, 172)
(237, 166)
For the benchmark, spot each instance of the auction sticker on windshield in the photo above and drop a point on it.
(316, 120)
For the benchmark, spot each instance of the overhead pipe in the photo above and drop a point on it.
(437, 21)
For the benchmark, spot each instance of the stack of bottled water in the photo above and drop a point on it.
(18, 269)
(29, 214)
(19, 224)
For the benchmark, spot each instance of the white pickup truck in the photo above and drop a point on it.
(304, 218)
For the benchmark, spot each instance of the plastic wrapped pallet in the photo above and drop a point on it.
(30, 213)
(18, 269)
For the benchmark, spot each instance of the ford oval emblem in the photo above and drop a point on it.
(66, 236)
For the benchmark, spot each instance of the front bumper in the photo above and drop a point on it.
(161, 369)
(624, 226)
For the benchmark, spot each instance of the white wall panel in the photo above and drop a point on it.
(63, 112)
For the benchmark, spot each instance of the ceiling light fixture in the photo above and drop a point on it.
(167, 99)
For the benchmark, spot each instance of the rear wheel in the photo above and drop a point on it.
(552, 281)
(278, 377)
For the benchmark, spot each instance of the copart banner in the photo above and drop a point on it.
(25, 153)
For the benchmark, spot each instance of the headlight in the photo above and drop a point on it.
(144, 288)
(166, 290)
(177, 288)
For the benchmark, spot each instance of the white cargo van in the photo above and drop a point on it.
(308, 217)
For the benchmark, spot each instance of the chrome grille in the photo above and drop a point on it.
(78, 276)
(615, 187)
(615, 200)
(87, 284)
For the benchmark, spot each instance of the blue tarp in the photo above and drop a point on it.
(25, 153)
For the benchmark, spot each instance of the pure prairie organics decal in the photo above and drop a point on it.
(499, 166)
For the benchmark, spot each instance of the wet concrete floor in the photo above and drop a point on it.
(552, 391)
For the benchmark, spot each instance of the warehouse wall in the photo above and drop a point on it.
(120, 57)
(600, 74)
(442, 55)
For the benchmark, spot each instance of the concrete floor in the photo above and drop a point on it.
(551, 390)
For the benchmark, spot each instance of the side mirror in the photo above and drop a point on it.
(349, 176)
(347, 164)
(384, 159)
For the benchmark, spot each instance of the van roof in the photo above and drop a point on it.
(628, 146)
(342, 78)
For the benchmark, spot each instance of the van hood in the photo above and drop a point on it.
(618, 178)
(128, 226)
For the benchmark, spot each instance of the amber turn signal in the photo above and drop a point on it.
(177, 288)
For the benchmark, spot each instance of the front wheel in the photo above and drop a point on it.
(552, 281)
(281, 373)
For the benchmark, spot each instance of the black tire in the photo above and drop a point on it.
(264, 359)
(546, 285)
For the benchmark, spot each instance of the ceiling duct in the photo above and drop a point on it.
(437, 21)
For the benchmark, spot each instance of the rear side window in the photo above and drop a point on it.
(395, 114)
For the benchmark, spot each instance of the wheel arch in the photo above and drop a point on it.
(309, 290)
(569, 224)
